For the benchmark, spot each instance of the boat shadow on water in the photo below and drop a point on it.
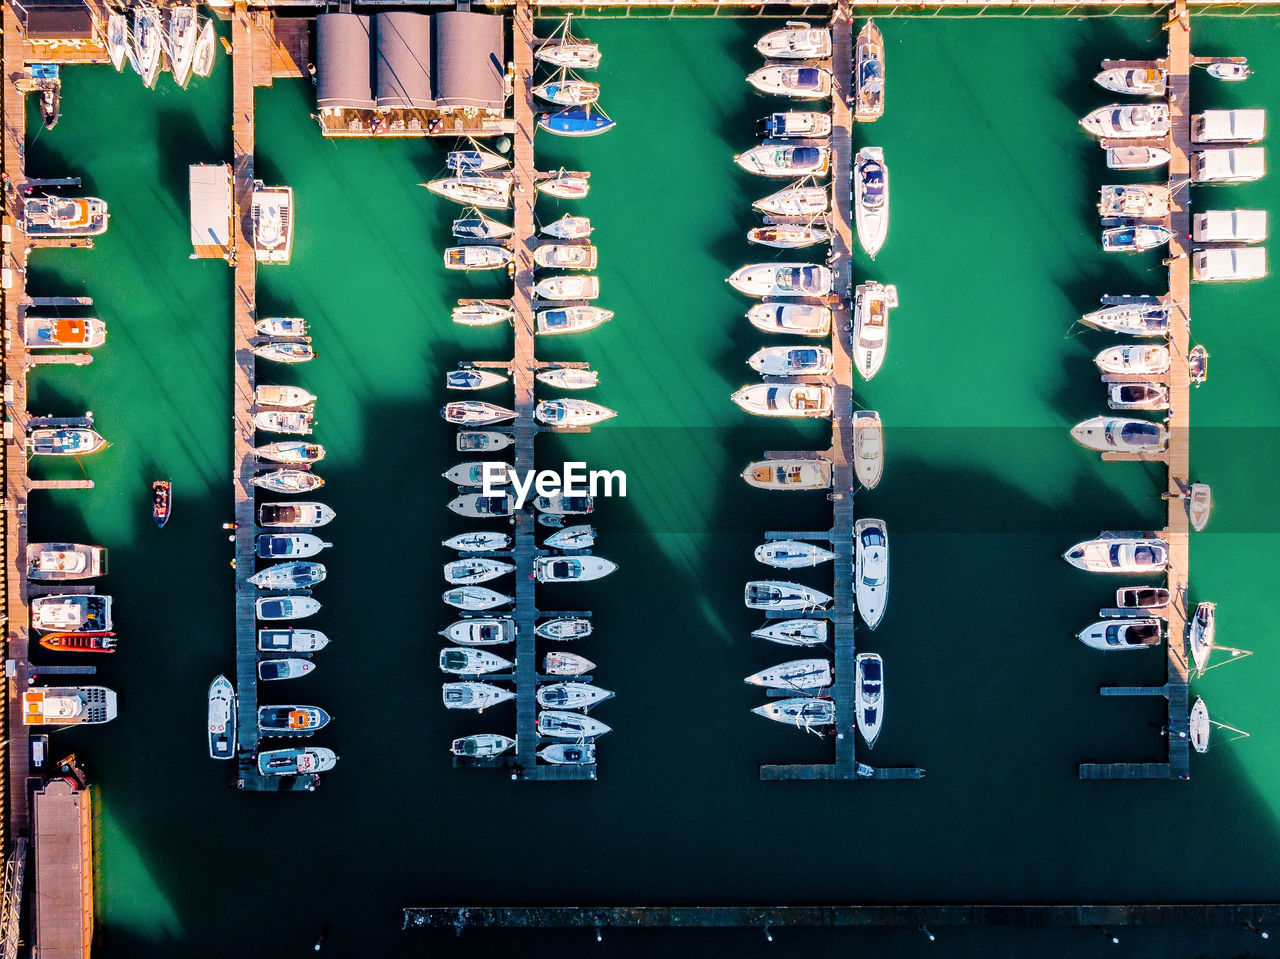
(185, 142)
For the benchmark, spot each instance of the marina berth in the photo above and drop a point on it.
(1149, 317)
(571, 569)
(475, 413)
(222, 719)
(568, 227)
(284, 351)
(206, 50)
(581, 536)
(474, 225)
(792, 361)
(1136, 158)
(1234, 165)
(471, 662)
(796, 41)
(868, 74)
(482, 507)
(286, 607)
(1229, 263)
(482, 441)
(1135, 239)
(481, 746)
(787, 237)
(297, 515)
(469, 378)
(54, 333)
(65, 561)
(293, 545)
(1108, 433)
(557, 724)
(775, 594)
(294, 422)
(481, 631)
(785, 400)
(571, 319)
(567, 288)
(481, 314)
(571, 695)
(575, 122)
(799, 83)
(559, 663)
(785, 160)
(789, 474)
(291, 640)
(64, 441)
(478, 542)
(475, 160)
(1109, 634)
(472, 258)
(792, 554)
(484, 192)
(1133, 360)
(1137, 81)
(1120, 554)
(801, 319)
(871, 569)
(569, 378)
(870, 696)
(871, 326)
(798, 674)
(571, 413)
(565, 256)
(568, 754)
(871, 199)
(472, 695)
(795, 201)
(275, 670)
(795, 124)
(1135, 121)
(181, 48)
(271, 211)
(290, 452)
(472, 474)
(475, 570)
(868, 448)
(284, 397)
(71, 613)
(476, 598)
(782, 279)
(291, 720)
(289, 576)
(567, 92)
(1229, 226)
(68, 705)
(563, 629)
(795, 632)
(1200, 636)
(1134, 200)
(1228, 126)
(801, 711)
(101, 642)
(1138, 396)
(296, 762)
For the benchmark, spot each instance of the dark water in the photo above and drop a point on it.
(993, 248)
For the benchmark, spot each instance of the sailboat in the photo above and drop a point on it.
(582, 536)
(564, 186)
(477, 542)
(562, 49)
(775, 594)
(206, 50)
(801, 711)
(183, 34)
(1199, 726)
(797, 674)
(481, 314)
(569, 227)
(117, 39)
(470, 378)
(475, 160)
(474, 225)
(485, 192)
(795, 201)
(571, 413)
(795, 632)
(569, 378)
(146, 42)
(567, 91)
(576, 122)
(792, 554)
(1200, 636)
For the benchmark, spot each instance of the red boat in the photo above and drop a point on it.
(80, 642)
(161, 501)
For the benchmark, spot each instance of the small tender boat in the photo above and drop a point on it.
(294, 545)
(871, 198)
(871, 326)
(868, 447)
(286, 607)
(870, 695)
(64, 441)
(470, 378)
(1147, 318)
(1231, 72)
(1119, 554)
(564, 505)
(484, 192)
(567, 92)
(789, 474)
(566, 664)
(1200, 635)
(795, 201)
(566, 256)
(568, 754)
(55, 333)
(792, 554)
(161, 501)
(795, 632)
(582, 536)
(1135, 121)
(473, 473)
(296, 515)
(481, 746)
(1140, 82)
(296, 422)
(206, 50)
(1106, 433)
(147, 40)
(802, 711)
(290, 452)
(1142, 201)
(296, 762)
(868, 73)
(571, 695)
(284, 397)
(222, 717)
(571, 319)
(1136, 158)
(471, 662)
(574, 54)
(1109, 634)
(476, 598)
(795, 124)
(1142, 597)
(289, 576)
(792, 361)
(1135, 239)
(571, 413)
(787, 237)
(1199, 505)
(479, 542)
(569, 378)
(291, 640)
(270, 670)
(1133, 359)
(785, 160)
(291, 720)
(474, 225)
(567, 288)
(284, 351)
(871, 569)
(184, 28)
(101, 642)
(482, 441)
(71, 613)
(782, 279)
(475, 160)
(575, 122)
(775, 594)
(766, 399)
(475, 413)
(556, 724)
(799, 83)
(117, 39)
(481, 314)
(65, 561)
(1138, 396)
(476, 569)
(472, 258)
(799, 674)
(563, 629)
(796, 41)
(1199, 726)
(571, 569)
(481, 631)
(569, 227)
(482, 507)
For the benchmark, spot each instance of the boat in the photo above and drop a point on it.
(1135, 239)
(475, 570)
(571, 319)
(802, 319)
(274, 670)
(475, 160)
(184, 28)
(475, 413)
(1199, 505)
(480, 542)
(869, 687)
(565, 256)
(795, 632)
(480, 506)
(481, 631)
(1200, 636)
(787, 237)
(799, 674)
(1136, 158)
(576, 55)
(1229, 263)
(284, 351)
(563, 629)
(1142, 597)
(799, 83)
(567, 288)
(567, 91)
(67, 705)
(568, 227)
(564, 505)
(785, 160)
(1133, 360)
(868, 447)
(482, 441)
(481, 746)
(795, 201)
(871, 326)
(71, 613)
(1120, 554)
(1230, 165)
(291, 720)
(1198, 726)
(64, 441)
(222, 719)
(792, 361)
(871, 198)
(1109, 634)
(1231, 72)
(291, 640)
(566, 664)
(571, 537)
(1146, 318)
(796, 41)
(766, 399)
(295, 422)
(472, 258)
(100, 642)
(481, 314)
(1229, 226)
(483, 192)
(802, 711)
(284, 397)
(471, 662)
(789, 474)
(473, 473)
(1139, 81)
(296, 762)
(1198, 364)
(1136, 201)
(568, 754)
(871, 569)
(476, 598)
(470, 378)
(556, 724)
(206, 50)
(286, 607)
(792, 554)
(117, 39)
(297, 575)
(571, 695)
(1107, 433)
(782, 279)
(775, 594)
(64, 216)
(571, 569)
(294, 545)
(795, 124)
(868, 73)
(575, 122)
(63, 561)
(472, 695)
(296, 515)
(54, 333)
(147, 40)
(569, 378)
(571, 413)
(474, 225)
(1135, 121)
(271, 212)
(1228, 126)
(290, 452)
(1138, 396)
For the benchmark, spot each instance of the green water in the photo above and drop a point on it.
(993, 248)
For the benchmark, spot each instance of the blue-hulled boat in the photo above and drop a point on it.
(575, 122)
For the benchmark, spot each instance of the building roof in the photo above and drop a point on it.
(344, 61)
(470, 70)
(210, 190)
(403, 64)
(62, 911)
(57, 21)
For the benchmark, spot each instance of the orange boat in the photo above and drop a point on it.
(52, 333)
(79, 642)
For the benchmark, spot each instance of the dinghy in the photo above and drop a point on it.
(482, 314)
(485, 192)
(775, 594)
(288, 481)
(795, 124)
(1133, 360)
(289, 576)
(799, 318)
(868, 74)
(871, 326)
(571, 413)
(792, 554)
(563, 629)
(471, 662)
(291, 640)
(1200, 636)
(1137, 121)
(1138, 396)
(801, 711)
(1120, 554)
(569, 378)
(868, 447)
(575, 122)
(798, 674)
(566, 664)
(785, 160)
(571, 569)
(787, 237)
(1109, 634)
(482, 441)
(470, 378)
(567, 288)
(581, 536)
(291, 545)
(479, 506)
(1107, 433)
(767, 399)
(799, 83)
(871, 198)
(477, 569)
(871, 569)
(286, 607)
(565, 256)
(571, 695)
(481, 746)
(568, 754)
(556, 724)
(481, 631)
(795, 201)
(475, 413)
(569, 227)
(792, 361)
(1199, 726)
(297, 422)
(1199, 505)
(795, 632)
(478, 542)
(562, 186)
(475, 598)
(796, 41)
(789, 474)
(284, 397)
(1140, 82)
(469, 259)
(1136, 158)
(782, 279)
(473, 473)
(869, 695)
(472, 695)
(284, 351)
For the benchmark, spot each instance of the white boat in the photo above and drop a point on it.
(565, 256)
(775, 594)
(55, 333)
(581, 536)
(475, 413)
(787, 236)
(1228, 126)
(1142, 201)
(296, 762)
(1119, 554)
(1142, 597)
(569, 378)
(563, 186)
(562, 629)
(795, 632)
(796, 41)
(563, 505)
(475, 569)
(1135, 239)
(184, 30)
(1145, 318)
(482, 314)
(1138, 396)
(792, 361)
(1133, 360)
(795, 124)
(472, 473)
(871, 569)
(117, 40)
(567, 288)
(481, 631)
(462, 661)
(1229, 226)
(286, 607)
(298, 575)
(567, 91)
(222, 716)
(206, 50)
(792, 554)
(474, 225)
(799, 83)
(1229, 263)
(802, 319)
(571, 569)
(1139, 81)
(478, 542)
(479, 506)
(1200, 636)
(782, 279)
(481, 746)
(795, 201)
(871, 198)
(470, 378)
(1199, 505)
(574, 54)
(557, 724)
(71, 613)
(147, 40)
(484, 192)
(1107, 433)
(64, 441)
(871, 326)
(559, 663)
(64, 216)
(798, 674)
(291, 640)
(284, 351)
(785, 160)
(476, 598)
(869, 686)
(475, 160)
(283, 397)
(571, 319)
(1136, 158)
(569, 227)
(63, 561)
(1135, 121)
(868, 447)
(802, 711)
(1229, 165)
(295, 515)
(868, 74)
(1231, 72)
(767, 399)
(288, 481)
(568, 754)
(571, 695)
(271, 212)
(571, 413)
(297, 422)
(472, 695)
(1199, 726)
(482, 441)
(472, 258)
(290, 545)
(1109, 634)
(789, 474)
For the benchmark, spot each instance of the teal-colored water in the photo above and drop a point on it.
(993, 248)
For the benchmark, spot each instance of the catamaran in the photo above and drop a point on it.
(871, 569)
(871, 326)
(766, 399)
(789, 474)
(271, 212)
(868, 74)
